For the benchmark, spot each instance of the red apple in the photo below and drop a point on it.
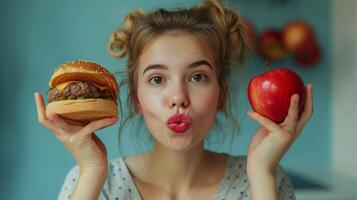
(270, 93)
(270, 45)
(308, 56)
(297, 34)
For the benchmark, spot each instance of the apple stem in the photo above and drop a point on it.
(267, 65)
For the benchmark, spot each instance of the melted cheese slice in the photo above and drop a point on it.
(61, 86)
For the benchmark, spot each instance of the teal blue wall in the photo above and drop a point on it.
(38, 35)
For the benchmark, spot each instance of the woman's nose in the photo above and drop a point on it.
(178, 98)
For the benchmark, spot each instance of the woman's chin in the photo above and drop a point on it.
(179, 143)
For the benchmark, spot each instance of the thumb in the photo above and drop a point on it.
(96, 125)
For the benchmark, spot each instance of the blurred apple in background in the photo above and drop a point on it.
(269, 94)
(300, 40)
(309, 57)
(270, 45)
(296, 35)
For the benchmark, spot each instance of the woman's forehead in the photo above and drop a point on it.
(176, 49)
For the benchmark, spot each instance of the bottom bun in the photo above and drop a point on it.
(83, 110)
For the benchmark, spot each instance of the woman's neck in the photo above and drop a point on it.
(177, 171)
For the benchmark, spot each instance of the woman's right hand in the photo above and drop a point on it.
(79, 139)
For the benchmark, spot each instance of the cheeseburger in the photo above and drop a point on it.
(82, 91)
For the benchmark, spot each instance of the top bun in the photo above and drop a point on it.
(84, 71)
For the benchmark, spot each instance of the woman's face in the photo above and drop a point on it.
(177, 75)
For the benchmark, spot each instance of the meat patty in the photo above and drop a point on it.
(78, 90)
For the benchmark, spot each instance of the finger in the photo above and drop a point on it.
(267, 123)
(291, 119)
(97, 125)
(76, 123)
(41, 112)
(60, 123)
(308, 110)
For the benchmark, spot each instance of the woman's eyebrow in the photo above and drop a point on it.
(199, 63)
(154, 66)
(192, 65)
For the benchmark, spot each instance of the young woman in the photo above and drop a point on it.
(177, 67)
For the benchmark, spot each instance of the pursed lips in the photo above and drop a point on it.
(179, 123)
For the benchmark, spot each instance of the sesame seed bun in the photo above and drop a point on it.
(88, 109)
(84, 71)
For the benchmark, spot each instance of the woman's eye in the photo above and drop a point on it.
(199, 78)
(155, 80)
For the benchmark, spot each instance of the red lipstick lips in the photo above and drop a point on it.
(179, 123)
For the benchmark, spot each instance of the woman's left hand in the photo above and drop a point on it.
(273, 140)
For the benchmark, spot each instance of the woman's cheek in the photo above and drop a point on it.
(208, 100)
(150, 103)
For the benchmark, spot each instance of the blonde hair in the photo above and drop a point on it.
(223, 29)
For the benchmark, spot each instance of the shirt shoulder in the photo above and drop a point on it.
(284, 186)
(118, 184)
(235, 184)
(69, 183)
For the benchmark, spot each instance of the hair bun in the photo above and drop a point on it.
(233, 28)
(119, 41)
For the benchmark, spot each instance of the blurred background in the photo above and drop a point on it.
(39, 35)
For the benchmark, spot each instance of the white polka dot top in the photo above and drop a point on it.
(234, 185)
